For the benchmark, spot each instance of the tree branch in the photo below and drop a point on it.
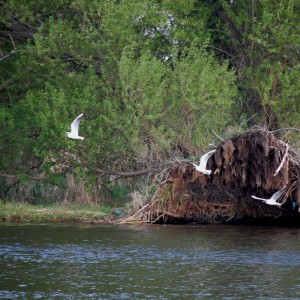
(38, 178)
(123, 174)
(16, 35)
(6, 56)
(17, 176)
(288, 128)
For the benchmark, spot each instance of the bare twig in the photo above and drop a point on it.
(7, 55)
(140, 210)
(288, 128)
(12, 41)
(245, 121)
(217, 135)
(159, 217)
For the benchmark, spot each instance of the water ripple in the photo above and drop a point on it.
(148, 262)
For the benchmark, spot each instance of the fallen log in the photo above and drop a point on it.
(252, 163)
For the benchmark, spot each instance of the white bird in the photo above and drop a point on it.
(272, 200)
(203, 161)
(74, 129)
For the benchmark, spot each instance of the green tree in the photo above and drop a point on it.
(143, 72)
(261, 39)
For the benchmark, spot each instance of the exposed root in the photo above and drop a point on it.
(252, 163)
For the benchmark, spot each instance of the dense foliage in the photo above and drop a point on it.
(154, 78)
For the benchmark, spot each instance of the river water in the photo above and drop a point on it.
(148, 262)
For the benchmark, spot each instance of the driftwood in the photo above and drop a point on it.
(252, 163)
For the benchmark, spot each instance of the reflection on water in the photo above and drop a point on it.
(155, 262)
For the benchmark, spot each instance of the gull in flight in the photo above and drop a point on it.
(74, 129)
(272, 200)
(203, 161)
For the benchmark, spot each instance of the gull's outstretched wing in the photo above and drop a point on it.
(276, 195)
(75, 124)
(204, 158)
(257, 198)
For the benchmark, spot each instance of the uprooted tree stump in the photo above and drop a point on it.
(253, 163)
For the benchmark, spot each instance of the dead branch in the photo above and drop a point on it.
(38, 178)
(287, 128)
(6, 56)
(217, 135)
(123, 174)
(140, 210)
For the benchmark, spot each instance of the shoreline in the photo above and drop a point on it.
(57, 213)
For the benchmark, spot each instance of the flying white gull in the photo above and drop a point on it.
(272, 200)
(74, 129)
(203, 161)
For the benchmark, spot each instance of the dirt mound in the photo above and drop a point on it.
(253, 163)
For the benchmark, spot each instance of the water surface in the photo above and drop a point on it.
(148, 262)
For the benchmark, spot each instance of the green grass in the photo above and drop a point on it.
(57, 213)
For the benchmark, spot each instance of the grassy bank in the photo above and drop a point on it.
(27, 213)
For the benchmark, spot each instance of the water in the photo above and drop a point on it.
(148, 262)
